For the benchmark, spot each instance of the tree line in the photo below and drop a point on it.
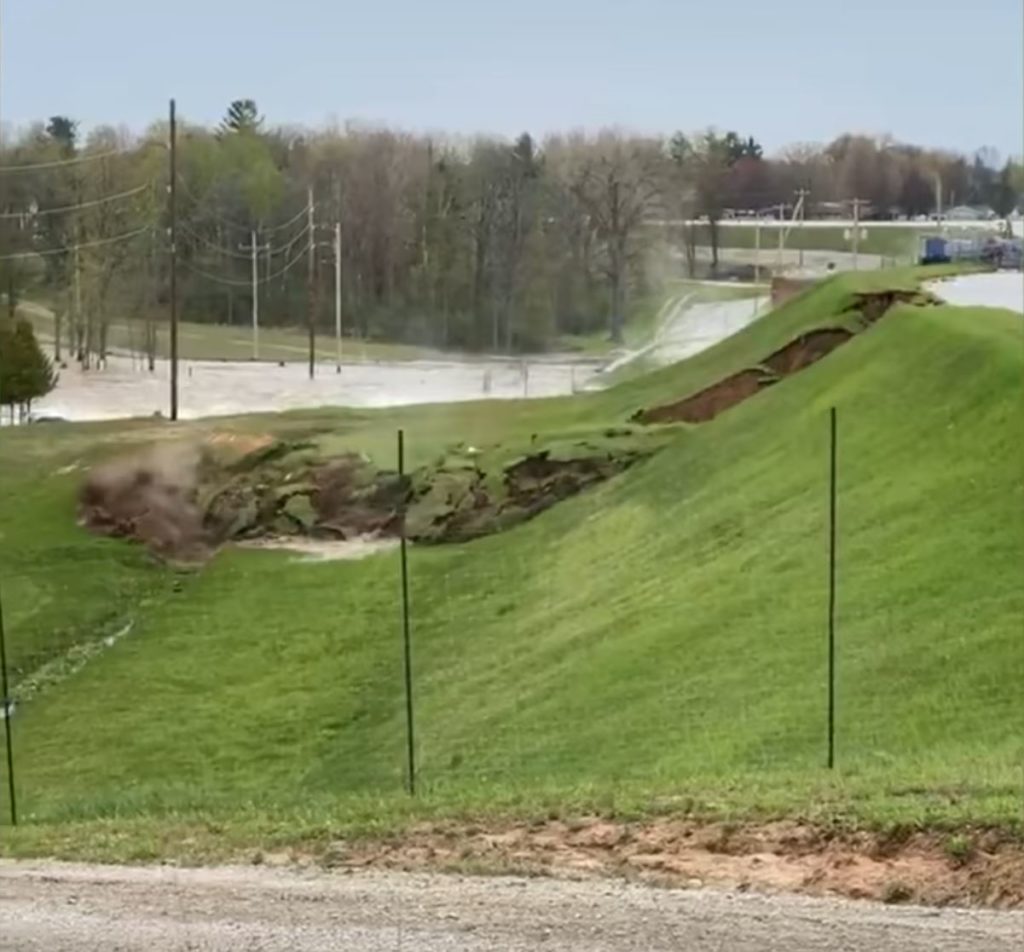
(479, 243)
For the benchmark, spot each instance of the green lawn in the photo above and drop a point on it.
(655, 644)
(899, 242)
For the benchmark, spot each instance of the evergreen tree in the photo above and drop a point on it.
(242, 116)
(26, 373)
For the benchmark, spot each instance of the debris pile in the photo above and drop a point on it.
(185, 501)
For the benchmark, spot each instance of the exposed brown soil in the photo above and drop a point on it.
(708, 403)
(780, 856)
(805, 350)
(184, 501)
(873, 305)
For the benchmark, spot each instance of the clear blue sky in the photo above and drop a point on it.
(937, 72)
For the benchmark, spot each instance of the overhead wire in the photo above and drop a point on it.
(196, 236)
(77, 160)
(288, 245)
(268, 251)
(288, 224)
(247, 284)
(96, 243)
(244, 226)
(38, 213)
(284, 250)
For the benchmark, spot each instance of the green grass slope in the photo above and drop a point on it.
(657, 639)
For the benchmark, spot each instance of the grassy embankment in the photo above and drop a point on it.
(655, 644)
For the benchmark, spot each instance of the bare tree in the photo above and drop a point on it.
(112, 232)
(616, 185)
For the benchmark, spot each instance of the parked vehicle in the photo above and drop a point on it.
(997, 252)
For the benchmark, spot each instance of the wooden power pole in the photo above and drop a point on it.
(173, 200)
(311, 283)
(337, 295)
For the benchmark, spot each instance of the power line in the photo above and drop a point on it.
(39, 213)
(288, 245)
(244, 226)
(77, 160)
(271, 252)
(69, 248)
(287, 224)
(246, 284)
(230, 253)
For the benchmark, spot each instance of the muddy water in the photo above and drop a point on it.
(214, 388)
(324, 550)
(1002, 289)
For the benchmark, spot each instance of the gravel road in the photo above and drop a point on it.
(51, 907)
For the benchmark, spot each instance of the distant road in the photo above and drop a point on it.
(838, 223)
(811, 262)
(49, 907)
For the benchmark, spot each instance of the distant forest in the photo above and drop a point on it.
(478, 243)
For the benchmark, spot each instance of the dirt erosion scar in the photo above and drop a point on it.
(719, 397)
(799, 353)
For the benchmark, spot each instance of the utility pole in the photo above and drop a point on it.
(173, 195)
(857, 202)
(268, 292)
(311, 283)
(8, 710)
(337, 293)
(801, 208)
(254, 251)
(757, 250)
(77, 323)
(255, 299)
(938, 201)
(782, 237)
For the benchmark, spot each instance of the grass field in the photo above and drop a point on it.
(889, 241)
(655, 644)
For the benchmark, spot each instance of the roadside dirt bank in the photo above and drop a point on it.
(971, 868)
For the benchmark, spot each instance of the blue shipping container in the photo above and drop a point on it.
(933, 250)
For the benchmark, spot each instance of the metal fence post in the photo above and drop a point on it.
(832, 590)
(410, 735)
(8, 710)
